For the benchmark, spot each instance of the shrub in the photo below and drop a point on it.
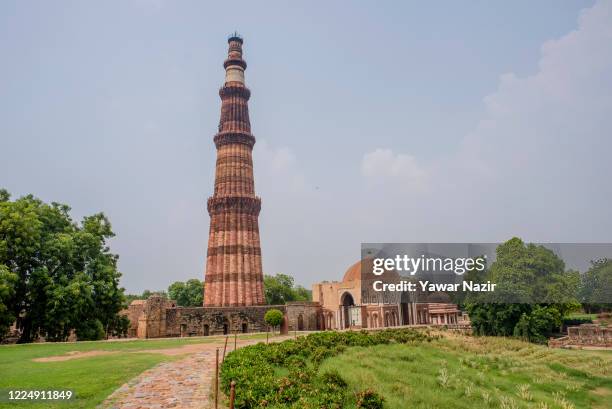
(260, 371)
(574, 321)
(369, 399)
(90, 331)
(539, 325)
(273, 317)
(333, 379)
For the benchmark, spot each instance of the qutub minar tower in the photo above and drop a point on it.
(234, 274)
(234, 298)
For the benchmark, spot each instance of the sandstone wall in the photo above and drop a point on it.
(584, 335)
(202, 321)
(303, 316)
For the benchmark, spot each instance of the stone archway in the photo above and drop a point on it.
(347, 302)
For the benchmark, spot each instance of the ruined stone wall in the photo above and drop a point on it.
(303, 316)
(133, 313)
(590, 334)
(202, 321)
(158, 317)
(584, 335)
(153, 317)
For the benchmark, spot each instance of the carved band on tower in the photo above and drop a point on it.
(234, 275)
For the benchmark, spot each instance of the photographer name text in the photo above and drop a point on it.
(411, 286)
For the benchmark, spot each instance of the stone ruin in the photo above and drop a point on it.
(158, 317)
(585, 335)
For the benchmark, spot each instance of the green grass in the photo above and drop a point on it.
(91, 378)
(465, 372)
(581, 316)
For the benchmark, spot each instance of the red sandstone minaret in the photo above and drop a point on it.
(234, 275)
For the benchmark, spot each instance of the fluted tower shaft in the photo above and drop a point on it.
(234, 274)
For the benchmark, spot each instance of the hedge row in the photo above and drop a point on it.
(285, 374)
(574, 321)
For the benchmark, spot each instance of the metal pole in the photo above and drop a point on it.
(235, 340)
(217, 380)
(232, 394)
(224, 348)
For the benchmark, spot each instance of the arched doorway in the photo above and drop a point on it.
(245, 328)
(300, 322)
(206, 330)
(347, 302)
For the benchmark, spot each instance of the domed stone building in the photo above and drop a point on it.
(351, 303)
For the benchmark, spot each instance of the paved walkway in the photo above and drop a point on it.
(185, 384)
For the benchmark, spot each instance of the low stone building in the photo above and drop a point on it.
(349, 304)
(585, 335)
(335, 305)
(159, 317)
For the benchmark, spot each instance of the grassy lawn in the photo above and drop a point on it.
(91, 378)
(581, 316)
(466, 372)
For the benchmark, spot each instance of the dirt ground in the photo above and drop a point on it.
(182, 350)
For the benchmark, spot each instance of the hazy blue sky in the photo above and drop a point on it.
(469, 121)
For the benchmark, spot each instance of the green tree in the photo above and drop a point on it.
(534, 291)
(302, 294)
(67, 277)
(280, 289)
(273, 318)
(143, 296)
(596, 286)
(536, 325)
(8, 282)
(187, 294)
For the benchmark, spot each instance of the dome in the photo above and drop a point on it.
(354, 272)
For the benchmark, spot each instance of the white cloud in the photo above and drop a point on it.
(276, 169)
(382, 164)
(536, 165)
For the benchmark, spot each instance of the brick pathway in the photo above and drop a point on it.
(185, 384)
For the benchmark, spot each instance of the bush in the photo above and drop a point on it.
(574, 321)
(273, 317)
(260, 371)
(333, 379)
(92, 330)
(369, 399)
(539, 325)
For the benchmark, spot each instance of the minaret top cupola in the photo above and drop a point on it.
(234, 64)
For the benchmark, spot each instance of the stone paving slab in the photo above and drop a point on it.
(184, 384)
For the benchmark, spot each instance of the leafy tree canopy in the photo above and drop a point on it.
(187, 294)
(273, 317)
(143, 296)
(8, 283)
(534, 292)
(56, 275)
(596, 286)
(280, 289)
